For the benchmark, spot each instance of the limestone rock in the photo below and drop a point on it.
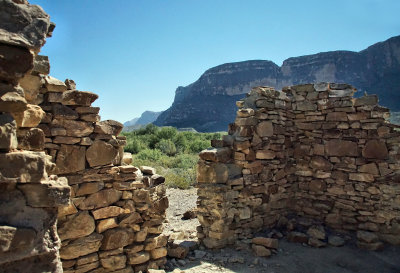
(100, 199)
(12, 98)
(320, 163)
(147, 170)
(261, 251)
(267, 242)
(158, 253)
(60, 111)
(23, 166)
(71, 85)
(375, 149)
(89, 188)
(31, 117)
(26, 25)
(74, 128)
(157, 179)
(15, 61)
(81, 247)
(337, 147)
(138, 258)
(297, 237)
(216, 155)
(367, 237)
(216, 172)
(47, 194)
(67, 210)
(108, 127)
(106, 224)
(314, 242)
(265, 128)
(127, 159)
(366, 100)
(265, 154)
(76, 226)
(317, 232)
(8, 132)
(31, 85)
(16, 239)
(178, 252)
(364, 177)
(30, 139)
(100, 153)
(114, 262)
(41, 65)
(107, 212)
(81, 98)
(54, 85)
(336, 241)
(70, 158)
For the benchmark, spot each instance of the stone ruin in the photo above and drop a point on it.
(310, 155)
(70, 200)
(67, 189)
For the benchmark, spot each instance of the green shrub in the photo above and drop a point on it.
(166, 146)
(198, 145)
(167, 133)
(184, 161)
(135, 145)
(180, 178)
(180, 143)
(149, 154)
(174, 154)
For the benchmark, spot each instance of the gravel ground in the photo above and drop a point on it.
(290, 257)
(181, 201)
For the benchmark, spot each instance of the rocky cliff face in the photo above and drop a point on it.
(209, 103)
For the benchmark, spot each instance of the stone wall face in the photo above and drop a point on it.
(310, 152)
(67, 188)
(114, 220)
(29, 193)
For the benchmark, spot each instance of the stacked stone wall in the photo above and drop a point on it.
(29, 193)
(114, 220)
(67, 188)
(308, 152)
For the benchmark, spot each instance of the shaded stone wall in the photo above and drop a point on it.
(102, 214)
(307, 152)
(114, 220)
(29, 194)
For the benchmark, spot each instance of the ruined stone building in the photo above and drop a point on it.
(309, 153)
(70, 200)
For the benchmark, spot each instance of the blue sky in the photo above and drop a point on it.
(135, 53)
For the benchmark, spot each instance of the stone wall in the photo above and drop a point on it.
(65, 180)
(29, 194)
(114, 220)
(309, 153)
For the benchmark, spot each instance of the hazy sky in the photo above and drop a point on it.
(135, 53)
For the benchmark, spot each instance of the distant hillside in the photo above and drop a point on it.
(137, 123)
(131, 122)
(209, 103)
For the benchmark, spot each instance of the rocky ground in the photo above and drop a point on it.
(290, 257)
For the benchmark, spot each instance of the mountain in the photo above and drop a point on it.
(136, 123)
(147, 117)
(130, 122)
(208, 104)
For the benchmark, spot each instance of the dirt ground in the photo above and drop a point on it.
(290, 257)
